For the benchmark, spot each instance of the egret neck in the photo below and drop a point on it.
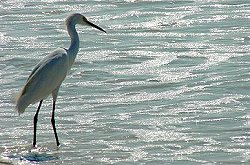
(74, 45)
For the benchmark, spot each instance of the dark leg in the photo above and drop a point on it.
(53, 123)
(35, 122)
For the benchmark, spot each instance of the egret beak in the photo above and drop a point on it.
(95, 26)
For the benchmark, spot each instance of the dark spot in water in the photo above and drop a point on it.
(38, 157)
(34, 157)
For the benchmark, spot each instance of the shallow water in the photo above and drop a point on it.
(168, 83)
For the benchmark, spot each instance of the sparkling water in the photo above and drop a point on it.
(168, 84)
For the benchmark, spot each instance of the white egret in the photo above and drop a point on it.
(48, 75)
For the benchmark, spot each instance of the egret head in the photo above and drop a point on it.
(80, 19)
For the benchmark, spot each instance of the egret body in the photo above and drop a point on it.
(48, 75)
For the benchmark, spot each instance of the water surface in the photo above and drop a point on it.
(168, 83)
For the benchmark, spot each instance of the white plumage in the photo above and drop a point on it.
(44, 80)
(48, 75)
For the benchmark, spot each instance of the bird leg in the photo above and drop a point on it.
(53, 123)
(35, 123)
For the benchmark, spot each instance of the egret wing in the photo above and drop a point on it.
(46, 76)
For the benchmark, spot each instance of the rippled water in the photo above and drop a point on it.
(168, 84)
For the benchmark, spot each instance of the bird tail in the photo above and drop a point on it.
(21, 102)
